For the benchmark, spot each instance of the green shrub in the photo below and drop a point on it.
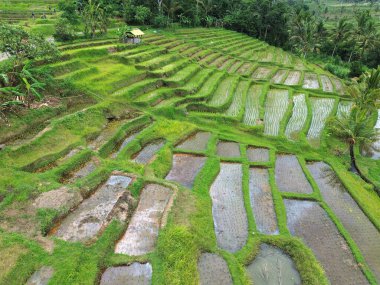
(64, 31)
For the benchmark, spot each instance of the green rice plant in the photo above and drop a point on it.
(310, 81)
(224, 91)
(326, 83)
(252, 105)
(275, 109)
(184, 75)
(158, 61)
(236, 108)
(298, 119)
(321, 110)
(293, 78)
(344, 108)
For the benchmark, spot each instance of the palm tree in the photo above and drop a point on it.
(366, 94)
(304, 33)
(357, 127)
(340, 33)
(171, 7)
(94, 17)
(366, 32)
(355, 130)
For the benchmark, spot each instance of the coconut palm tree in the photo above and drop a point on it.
(304, 33)
(94, 17)
(366, 95)
(171, 7)
(366, 33)
(355, 129)
(340, 33)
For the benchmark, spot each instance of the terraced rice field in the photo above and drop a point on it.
(279, 76)
(252, 106)
(272, 266)
(237, 102)
(230, 218)
(352, 217)
(213, 269)
(194, 163)
(310, 81)
(298, 118)
(310, 222)
(141, 235)
(275, 109)
(261, 73)
(289, 175)
(224, 92)
(321, 109)
(293, 78)
(262, 201)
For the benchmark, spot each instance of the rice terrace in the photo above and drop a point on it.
(189, 142)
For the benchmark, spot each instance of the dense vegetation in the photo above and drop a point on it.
(292, 25)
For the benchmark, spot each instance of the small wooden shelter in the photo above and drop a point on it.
(133, 36)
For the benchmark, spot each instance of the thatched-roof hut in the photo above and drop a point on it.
(133, 36)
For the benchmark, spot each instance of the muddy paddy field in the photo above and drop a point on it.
(230, 179)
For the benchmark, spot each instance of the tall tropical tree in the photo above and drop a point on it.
(340, 33)
(94, 17)
(304, 33)
(355, 130)
(172, 7)
(366, 95)
(366, 32)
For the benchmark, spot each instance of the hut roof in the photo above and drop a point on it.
(136, 32)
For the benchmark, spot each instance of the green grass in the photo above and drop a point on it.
(166, 95)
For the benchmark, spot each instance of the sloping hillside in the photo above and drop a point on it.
(204, 158)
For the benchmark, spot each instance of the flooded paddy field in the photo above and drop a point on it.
(85, 222)
(293, 78)
(228, 149)
(197, 142)
(321, 110)
(85, 170)
(310, 222)
(310, 81)
(275, 109)
(274, 267)
(256, 154)
(141, 235)
(354, 220)
(279, 76)
(298, 118)
(230, 218)
(289, 175)
(148, 152)
(252, 106)
(213, 270)
(42, 276)
(134, 274)
(185, 169)
(260, 194)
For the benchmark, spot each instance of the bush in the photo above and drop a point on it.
(64, 31)
(160, 21)
(357, 68)
(338, 70)
(142, 14)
